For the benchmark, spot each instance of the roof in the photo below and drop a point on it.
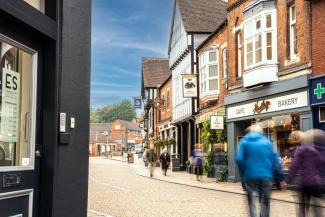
(132, 126)
(202, 15)
(154, 71)
(96, 134)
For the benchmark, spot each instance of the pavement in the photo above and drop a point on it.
(117, 188)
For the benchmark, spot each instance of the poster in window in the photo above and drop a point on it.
(10, 105)
(216, 122)
(189, 85)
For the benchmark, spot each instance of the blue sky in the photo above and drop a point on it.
(123, 31)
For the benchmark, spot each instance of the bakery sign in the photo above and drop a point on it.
(281, 103)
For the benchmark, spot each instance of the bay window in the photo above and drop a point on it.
(209, 72)
(259, 42)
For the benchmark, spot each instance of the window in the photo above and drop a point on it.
(238, 53)
(17, 105)
(224, 63)
(163, 104)
(259, 39)
(38, 4)
(293, 32)
(209, 72)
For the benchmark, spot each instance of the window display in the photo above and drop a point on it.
(15, 105)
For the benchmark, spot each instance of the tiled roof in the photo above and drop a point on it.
(202, 15)
(96, 134)
(131, 126)
(154, 71)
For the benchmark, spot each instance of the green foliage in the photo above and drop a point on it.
(122, 111)
(208, 161)
(188, 162)
(172, 141)
(208, 136)
(93, 116)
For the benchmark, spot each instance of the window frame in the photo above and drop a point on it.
(239, 71)
(251, 35)
(33, 106)
(224, 63)
(293, 38)
(204, 73)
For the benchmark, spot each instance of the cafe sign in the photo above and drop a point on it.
(216, 122)
(281, 103)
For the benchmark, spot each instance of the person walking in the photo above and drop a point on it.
(165, 161)
(151, 159)
(258, 163)
(197, 156)
(309, 162)
(220, 162)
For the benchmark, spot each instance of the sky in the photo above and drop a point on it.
(124, 31)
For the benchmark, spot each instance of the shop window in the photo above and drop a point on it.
(293, 32)
(38, 4)
(209, 72)
(321, 114)
(17, 105)
(259, 39)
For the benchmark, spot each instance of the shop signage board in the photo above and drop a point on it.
(317, 91)
(206, 116)
(10, 105)
(189, 85)
(280, 103)
(137, 102)
(216, 122)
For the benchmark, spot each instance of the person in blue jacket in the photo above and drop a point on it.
(258, 164)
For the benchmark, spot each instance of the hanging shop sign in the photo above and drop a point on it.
(137, 102)
(189, 85)
(291, 101)
(317, 91)
(10, 105)
(216, 122)
(200, 118)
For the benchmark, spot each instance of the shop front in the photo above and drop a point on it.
(282, 115)
(317, 101)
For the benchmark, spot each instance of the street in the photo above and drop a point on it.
(115, 190)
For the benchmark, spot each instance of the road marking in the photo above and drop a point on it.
(107, 184)
(99, 213)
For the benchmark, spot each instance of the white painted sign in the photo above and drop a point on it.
(10, 105)
(216, 122)
(189, 85)
(281, 103)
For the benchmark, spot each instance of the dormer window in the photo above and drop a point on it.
(209, 71)
(259, 40)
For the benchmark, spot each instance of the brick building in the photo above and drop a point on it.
(317, 81)
(164, 123)
(213, 74)
(269, 43)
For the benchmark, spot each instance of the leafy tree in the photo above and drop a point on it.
(123, 111)
(93, 116)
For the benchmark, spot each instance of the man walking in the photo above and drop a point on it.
(152, 159)
(258, 163)
(165, 161)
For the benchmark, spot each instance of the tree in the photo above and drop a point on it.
(122, 111)
(93, 116)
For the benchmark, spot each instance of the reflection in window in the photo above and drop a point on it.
(15, 104)
(38, 4)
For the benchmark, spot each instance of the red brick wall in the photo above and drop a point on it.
(166, 113)
(318, 35)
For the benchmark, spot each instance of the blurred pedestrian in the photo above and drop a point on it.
(144, 157)
(165, 161)
(220, 162)
(309, 163)
(198, 156)
(152, 159)
(257, 162)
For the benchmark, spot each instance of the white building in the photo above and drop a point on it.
(192, 22)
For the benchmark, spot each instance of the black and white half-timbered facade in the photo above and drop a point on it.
(192, 22)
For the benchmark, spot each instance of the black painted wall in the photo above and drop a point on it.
(71, 176)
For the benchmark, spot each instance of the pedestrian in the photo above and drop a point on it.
(144, 158)
(257, 162)
(152, 159)
(309, 163)
(220, 162)
(165, 161)
(197, 156)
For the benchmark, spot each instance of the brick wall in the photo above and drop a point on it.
(318, 34)
(166, 113)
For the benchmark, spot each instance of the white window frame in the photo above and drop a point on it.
(224, 63)
(239, 74)
(204, 65)
(292, 26)
(251, 36)
(33, 103)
